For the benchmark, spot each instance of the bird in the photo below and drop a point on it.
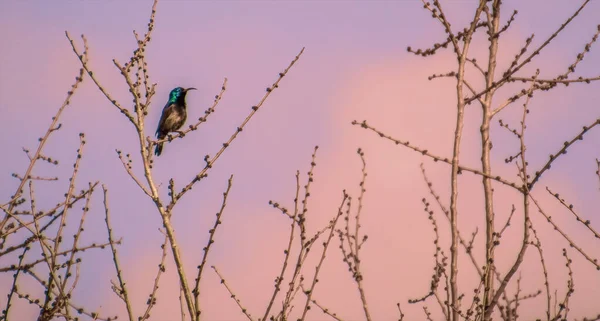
(173, 116)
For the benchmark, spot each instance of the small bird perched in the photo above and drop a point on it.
(173, 116)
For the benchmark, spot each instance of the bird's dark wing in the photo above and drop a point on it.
(169, 109)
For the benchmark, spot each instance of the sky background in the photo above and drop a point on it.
(355, 67)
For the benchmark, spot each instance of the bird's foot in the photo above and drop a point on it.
(181, 133)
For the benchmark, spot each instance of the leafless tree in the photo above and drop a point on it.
(491, 295)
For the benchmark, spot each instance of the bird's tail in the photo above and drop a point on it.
(158, 149)
(159, 146)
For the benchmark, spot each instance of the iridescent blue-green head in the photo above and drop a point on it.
(177, 95)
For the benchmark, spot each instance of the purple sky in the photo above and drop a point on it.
(355, 67)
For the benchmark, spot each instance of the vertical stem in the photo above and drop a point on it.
(454, 185)
(493, 299)
(486, 146)
(454, 194)
(166, 217)
(460, 106)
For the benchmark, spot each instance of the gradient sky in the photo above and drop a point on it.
(355, 67)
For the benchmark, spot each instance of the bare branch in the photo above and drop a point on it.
(210, 161)
(122, 289)
(435, 158)
(233, 296)
(212, 231)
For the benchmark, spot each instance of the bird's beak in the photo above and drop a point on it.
(191, 88)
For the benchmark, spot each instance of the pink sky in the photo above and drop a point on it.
(355, 67)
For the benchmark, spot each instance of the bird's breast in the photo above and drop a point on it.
(175, 119)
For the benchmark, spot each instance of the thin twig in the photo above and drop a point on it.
(122, 290)
(210, 161)
(587, 223)
(206, 249)
(331, 227)
(233, 296)
(161, 269)
(425, 152)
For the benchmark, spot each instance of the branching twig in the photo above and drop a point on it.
(210, 161)
(331, 228)
(425, 152)
(122, 289)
